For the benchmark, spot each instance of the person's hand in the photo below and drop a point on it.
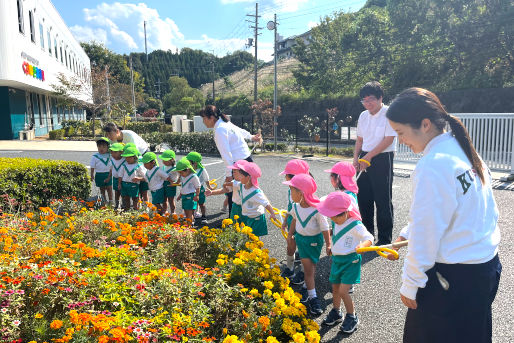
(290, 244)
(356, 165)
(208, 192)
(391, 257)
(228, 179)
(179, 197)
(329, 249)
(410, 303)
(364, 165)
(257, 138)
(196, 198)
(273, 216)
(106, 180)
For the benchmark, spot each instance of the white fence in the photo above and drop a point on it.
(492, 135)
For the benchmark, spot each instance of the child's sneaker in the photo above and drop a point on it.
(314, 306)
(203, 221)
(298, 278)
(305, 296)
(287, 273)
(350, 323)
(334, 317)
(224, 209)
(350, 291)
(198, 214)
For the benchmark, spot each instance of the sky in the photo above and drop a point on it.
(215, 26)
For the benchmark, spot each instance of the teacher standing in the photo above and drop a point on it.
(230, 140)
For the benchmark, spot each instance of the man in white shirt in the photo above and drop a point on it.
(373, 154)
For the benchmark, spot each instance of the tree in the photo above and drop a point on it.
(265, 115)
(182, 99)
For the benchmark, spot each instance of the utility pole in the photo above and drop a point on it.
(158, 85)
(132, 86)
(107, 86)
(212, 71)
(272, 25)
(256, 35)
(146, 49)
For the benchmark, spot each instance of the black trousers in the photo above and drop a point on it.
(462, 313)
(376, 189)
(249, 159)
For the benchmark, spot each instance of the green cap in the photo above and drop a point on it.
(184, 164)
(131, 146)
(116, 147)
(148, 157)
(103, 139)
(195, 157)
(167, 155)
(130, 151)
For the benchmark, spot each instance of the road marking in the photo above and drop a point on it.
(210, 164)
(11, 151)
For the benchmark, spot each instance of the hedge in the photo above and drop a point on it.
(202, 142)
(27, 183)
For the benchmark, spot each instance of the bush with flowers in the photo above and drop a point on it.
(97, 275)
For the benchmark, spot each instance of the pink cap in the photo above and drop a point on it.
(237, 165)
(346, 172)
(336, 203)
(306, 184)
(252, 169)
(295, 167)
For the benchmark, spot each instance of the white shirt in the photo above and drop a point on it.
(129, 171)
(101, 163)
(374, 128)
(230, 141)
(453, 217)
(116, 166)
(203, 176)
(132, 137)
(190, 184)
(155, 178)
(253, 206)
(347, 243)
(236, 196)
(309, 222)
(173, 173)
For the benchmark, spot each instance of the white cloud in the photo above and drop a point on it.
(87, 34)
(312, 24)
(287, 6)
(220, 46)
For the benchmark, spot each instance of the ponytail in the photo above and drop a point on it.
(413, 105)
(212, 111)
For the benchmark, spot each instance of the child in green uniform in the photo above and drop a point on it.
(196, 161)
(101, 168)
(155, 177)
(131, 175)
(190, 188)
(170, 191)
(116, 163)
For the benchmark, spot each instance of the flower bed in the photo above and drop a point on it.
(95, 275)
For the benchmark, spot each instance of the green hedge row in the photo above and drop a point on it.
(27, 183)
(202, 142)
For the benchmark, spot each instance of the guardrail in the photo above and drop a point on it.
(492, 135)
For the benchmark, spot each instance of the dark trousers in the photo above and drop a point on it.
(249, 159)
(376, 189)
(460, 314)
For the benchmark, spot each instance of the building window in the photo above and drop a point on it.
(21, 26)
(32, 29)
(61, 54)
(55, 49)
(49, 43)
(41, 36)
(66, 57)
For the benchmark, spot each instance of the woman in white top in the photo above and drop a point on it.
(230, 140)
(116, 134)
(452, 270)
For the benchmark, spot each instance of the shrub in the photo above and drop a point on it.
(56, 134)
(27, 183)
(143, 127)
(202, 142)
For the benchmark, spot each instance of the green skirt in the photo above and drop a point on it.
(188, 203)
(143, 186)
(346, 269)
(258, 224)
(100, 180)
(115, 181)
(309, 246)
(236, 210)
(129, 189)
(158, 196)
(169, 191)
(201, 197)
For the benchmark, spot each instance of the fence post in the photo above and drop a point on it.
(296, 132)
(328, 132)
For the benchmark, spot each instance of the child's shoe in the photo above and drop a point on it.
(305, 296)
(287, 273)
(203, 221)
(224, 209)
(350, 291)
(334, 317)
(298, 278)
(350, 323)
(314, 306)
(198, 214)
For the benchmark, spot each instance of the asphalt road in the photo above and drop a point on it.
(377, 299)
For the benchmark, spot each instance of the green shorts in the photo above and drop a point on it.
(201, 197)
(158, 196)
(236, 210)
(187, 202)
(346, 269)
(258, 224)
(100, 178)
(143, 186)
(129, 189)
(309, 246)
(169, 191)
(115, 181)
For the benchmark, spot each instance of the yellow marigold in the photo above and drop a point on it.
(103, 339)
(299, 337)
(264, 321)
(246, 314)
(312, 336)
(236, 217)
(43, 223)
(38, 316)
(30, 215)
(271, 339)
(254, 292)
(56, 324)
(32, 342)
(238, 261)
(268, 284)
(220, 261)
(231, 339)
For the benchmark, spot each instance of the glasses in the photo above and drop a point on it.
(368, 100)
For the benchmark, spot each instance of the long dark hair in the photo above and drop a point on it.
(413, 105)
(212, 111)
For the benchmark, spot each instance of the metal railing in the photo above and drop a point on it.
(492, 135)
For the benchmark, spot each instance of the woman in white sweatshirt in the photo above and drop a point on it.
(452, 270)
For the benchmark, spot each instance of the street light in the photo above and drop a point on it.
(272, 25)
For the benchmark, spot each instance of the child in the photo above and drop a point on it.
(196, 161)
(116, 162)
(253, 200)
(348, 231)
(342, 179)
(293, 167)
(155, 177)
(168, 159)
(308, 228)
(101, 169)
(130, 176)
(190, 189)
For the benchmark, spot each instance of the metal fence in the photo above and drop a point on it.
(492, 135)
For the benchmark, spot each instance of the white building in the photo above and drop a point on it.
(35, 46)
(284, 46)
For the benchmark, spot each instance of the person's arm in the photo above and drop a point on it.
(222, 143)
(356, 152)
(384, 144)
(108, 177)
(92, 173)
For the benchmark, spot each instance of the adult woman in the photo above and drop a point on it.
(229, 139)
(452, 270)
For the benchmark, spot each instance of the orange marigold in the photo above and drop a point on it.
(56, 324)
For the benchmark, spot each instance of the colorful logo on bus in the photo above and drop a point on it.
(33, 71)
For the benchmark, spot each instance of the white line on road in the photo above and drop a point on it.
(210, 164)
(11, 151)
